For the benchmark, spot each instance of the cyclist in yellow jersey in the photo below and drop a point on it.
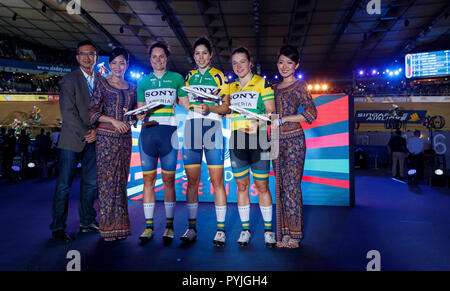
(158, 138)
(203, 134)
(247, 149)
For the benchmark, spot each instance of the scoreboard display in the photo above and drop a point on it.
(428, 64)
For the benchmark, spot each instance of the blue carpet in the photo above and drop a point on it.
(407, 225)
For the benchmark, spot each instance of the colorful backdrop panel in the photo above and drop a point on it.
(327, 172)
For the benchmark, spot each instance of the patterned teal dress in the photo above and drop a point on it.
(113, 152)
(291, 159)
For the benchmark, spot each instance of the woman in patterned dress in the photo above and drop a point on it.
(112, 97)
(290, 94)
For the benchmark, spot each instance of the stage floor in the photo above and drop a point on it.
(407, 225)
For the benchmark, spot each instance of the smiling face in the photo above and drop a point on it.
(118, 66)
(202, 56)
(286, 66)
(242, 66)
(87, 57)
(158, 59)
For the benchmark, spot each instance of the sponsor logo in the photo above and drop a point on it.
(414, 117)
(164, 96)
(244, 95)
(205, 89)
(380, 116)
(245, 99)
(153, 93)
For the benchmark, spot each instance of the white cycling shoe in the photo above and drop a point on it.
(244, 238)
(219, 239)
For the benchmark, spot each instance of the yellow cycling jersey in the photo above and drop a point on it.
(210, 81)
(252, 97)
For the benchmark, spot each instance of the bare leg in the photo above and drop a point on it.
(243, 198)
(193, 176)
(265, 198)
(216, 175)
(169, 187)
(149, 187)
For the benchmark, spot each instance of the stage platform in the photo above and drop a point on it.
(407, 225)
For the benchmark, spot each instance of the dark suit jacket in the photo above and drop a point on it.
(74, 102)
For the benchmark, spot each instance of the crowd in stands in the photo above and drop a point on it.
(423, 89)
(23, 82)
(17, 49)
(402, 88)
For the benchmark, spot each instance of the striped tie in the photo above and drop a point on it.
(89, 85)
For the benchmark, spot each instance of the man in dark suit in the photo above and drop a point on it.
(397, 147)
(76, 144)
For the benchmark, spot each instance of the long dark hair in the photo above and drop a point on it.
(291, 52)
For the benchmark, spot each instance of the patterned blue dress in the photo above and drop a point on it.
(291, 159)
(113, 152)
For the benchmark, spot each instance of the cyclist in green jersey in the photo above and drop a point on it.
(158, 138)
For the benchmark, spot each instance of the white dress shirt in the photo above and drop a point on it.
(89, 78)
(415, 145)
